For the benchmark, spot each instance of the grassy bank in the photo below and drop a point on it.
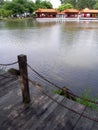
(16, 19)
(83, 100)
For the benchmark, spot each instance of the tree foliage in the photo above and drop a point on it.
(96, 6)
(19, 7)
(43, 4)
(81, 4)
(86, 4)
(64, 6)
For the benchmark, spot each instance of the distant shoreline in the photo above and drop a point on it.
(16, 19)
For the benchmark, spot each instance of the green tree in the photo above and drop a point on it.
(46, 4)
(81, 4)
(1, 3)
(64, 6)
(86, 4)
(72, 2)
(5, 13)
(23, 6)
(16, 8)
(96, 6)
(43, 4)
(29, 6)
(62, 1)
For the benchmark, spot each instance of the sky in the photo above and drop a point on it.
(55, 3)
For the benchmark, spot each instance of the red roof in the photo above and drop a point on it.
(86, 10)
(47, 10)
(70, 11)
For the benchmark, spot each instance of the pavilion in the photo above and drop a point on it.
(71, 13)
(89, 13)
(46, 13)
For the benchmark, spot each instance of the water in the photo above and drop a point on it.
(66, 52)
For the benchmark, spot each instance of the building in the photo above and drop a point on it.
(87, 13)
(46, 13)
(71, 13)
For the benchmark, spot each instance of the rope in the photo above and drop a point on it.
(41, 76)
(54, 100)
(69, 91)
(13, 63)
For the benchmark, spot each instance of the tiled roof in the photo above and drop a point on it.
(86, 10)
(47, 10)
(71, 10)
(61, 13)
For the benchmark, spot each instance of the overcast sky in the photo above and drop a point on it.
(55, 3)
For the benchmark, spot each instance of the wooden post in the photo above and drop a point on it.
(22, 60)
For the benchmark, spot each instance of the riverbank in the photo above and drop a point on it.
(16, 19)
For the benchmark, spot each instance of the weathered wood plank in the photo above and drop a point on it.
(11, 96)
(12, 106)
(6, 81)
(8, 87)
(41, 118)
(53, 118)
(42, 113)
(84, 123)
(70, 118)
(19, 117)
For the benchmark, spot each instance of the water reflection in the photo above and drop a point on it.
(66, 53)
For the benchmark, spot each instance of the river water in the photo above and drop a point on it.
(64, 52)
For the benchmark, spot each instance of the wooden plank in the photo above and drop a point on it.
(8, 87)
(70, 118)
(11, 96)
(42, 113)
(9, 101)
(52, 119)
(11, 104)
(84, 123)
(95, 125)
(6, 81)
(18, 119)
(41, 118)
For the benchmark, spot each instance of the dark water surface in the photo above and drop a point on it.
(64, 52)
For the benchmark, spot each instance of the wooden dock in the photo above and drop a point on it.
(41, 113)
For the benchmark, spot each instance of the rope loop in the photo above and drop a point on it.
(13, 63)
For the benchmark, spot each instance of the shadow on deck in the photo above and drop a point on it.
(42, 113)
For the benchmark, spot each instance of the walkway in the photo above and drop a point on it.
(42, 113)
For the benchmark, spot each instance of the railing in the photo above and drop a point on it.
(23, 65)
(23, 69)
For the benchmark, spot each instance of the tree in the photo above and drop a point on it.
(46, 4)
(86, 4)
(96, 6)
(1, 3)
(81, 4)
(43, 4)
(5, 13)
(72, 2)
(64, 6)
(19, 7)
(62, 1)
(16, 8)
